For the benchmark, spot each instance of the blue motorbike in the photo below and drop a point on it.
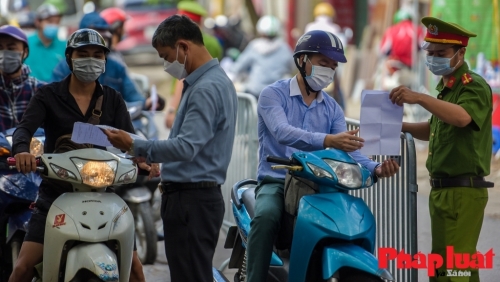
(17, 192)
(334, 233)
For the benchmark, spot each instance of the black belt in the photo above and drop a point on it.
(175, 186)
(473, 182)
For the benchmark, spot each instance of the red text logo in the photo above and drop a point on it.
(435, 261)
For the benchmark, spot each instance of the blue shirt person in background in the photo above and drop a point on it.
(115, 75)
(16, 85)
(46, 50)
(296, 114)
(196, 155)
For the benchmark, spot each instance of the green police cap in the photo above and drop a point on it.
(192, 7)
(441, 34)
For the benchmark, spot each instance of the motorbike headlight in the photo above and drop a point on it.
(319, 172)
(61, 172)
(96, 173)
(127, 177)
(349, 175)
(36, 147)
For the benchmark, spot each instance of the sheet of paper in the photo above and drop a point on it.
(154, 98)
(380, 124)
(90, 134)
(134, 136)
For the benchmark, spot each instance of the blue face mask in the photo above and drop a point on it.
(440, 66)
(50, 31)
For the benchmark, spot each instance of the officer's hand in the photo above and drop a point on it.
(403, 94)
(345, 141)
(387, 169)
(25, 162)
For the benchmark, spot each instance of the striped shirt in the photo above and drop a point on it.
(15, 95)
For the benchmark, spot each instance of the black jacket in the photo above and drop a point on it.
(55, 108)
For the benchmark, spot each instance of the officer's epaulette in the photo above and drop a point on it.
(467, 78)
(451, 81)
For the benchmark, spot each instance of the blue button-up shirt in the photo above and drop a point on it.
(287, 124)
(200, 144)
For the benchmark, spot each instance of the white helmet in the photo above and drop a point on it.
(268, 26)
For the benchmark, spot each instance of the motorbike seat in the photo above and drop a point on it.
(248, 199)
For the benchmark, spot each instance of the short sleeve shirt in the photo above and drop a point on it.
(462, 151)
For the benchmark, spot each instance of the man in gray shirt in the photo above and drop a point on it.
(196, 156)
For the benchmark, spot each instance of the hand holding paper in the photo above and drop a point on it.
(380, 123)
(93, 134)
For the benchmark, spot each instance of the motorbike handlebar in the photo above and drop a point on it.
(278, 160)
(12, 161)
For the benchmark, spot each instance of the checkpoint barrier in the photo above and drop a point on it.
(244, 159)
(393, 200)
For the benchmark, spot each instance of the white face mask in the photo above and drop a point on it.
(320, 77)
(176, 69)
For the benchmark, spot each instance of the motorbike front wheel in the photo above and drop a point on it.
(145, 233)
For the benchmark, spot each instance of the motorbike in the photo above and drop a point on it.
(89, 234)
(334, 232)
(17, 192)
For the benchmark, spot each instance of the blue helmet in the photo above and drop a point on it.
(323, 42)
(94, 21)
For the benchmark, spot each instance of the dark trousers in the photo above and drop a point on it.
(192, 219)
(269, 207)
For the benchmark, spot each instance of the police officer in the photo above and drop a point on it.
(460, 140)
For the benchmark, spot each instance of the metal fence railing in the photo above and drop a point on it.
(393, 202)
(244, 158)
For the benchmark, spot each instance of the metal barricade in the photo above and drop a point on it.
(393, 202)
(243, 162)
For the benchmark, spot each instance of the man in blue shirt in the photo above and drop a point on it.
(116, 75)
(46, 50)
(295, 114)
(196, 155)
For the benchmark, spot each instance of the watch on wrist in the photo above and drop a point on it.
(130, 151)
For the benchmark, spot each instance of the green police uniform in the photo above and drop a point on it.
(454, 152)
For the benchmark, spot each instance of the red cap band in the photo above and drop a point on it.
(446, 38)
(194, 17)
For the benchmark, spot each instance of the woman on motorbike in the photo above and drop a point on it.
(58, 106)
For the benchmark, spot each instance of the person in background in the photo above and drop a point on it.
(397, 41)
(16, 85)
(116, 75)
(324, 13)
(45, 48)
(115, 17)
(196, 155)
(267, 58)
(193, 10)
(460, 139)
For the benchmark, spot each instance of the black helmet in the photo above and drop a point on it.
(84, 37)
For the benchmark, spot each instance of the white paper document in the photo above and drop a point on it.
(154, 98)
(92, 134)
(380, 124)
